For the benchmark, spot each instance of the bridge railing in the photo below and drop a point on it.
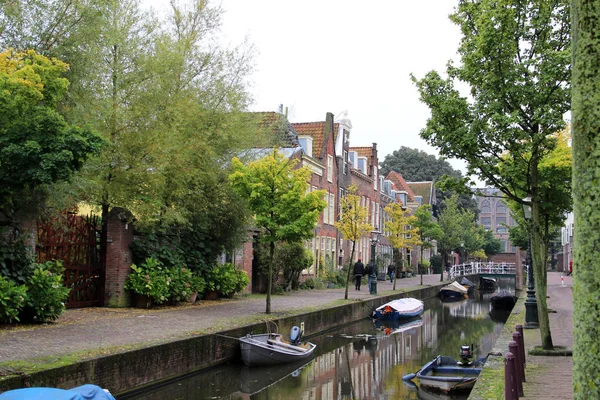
(481, 268)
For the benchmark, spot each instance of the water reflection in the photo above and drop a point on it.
(364, 360)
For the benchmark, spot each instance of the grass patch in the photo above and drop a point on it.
(556, 351)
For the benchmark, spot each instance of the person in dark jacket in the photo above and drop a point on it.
(391, 271)
(359, 271)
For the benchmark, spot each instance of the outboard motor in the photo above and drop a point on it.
(466, 354)
(295, 335)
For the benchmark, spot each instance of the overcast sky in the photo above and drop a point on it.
(319, 56)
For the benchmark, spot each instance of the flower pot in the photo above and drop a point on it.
(142, 301)
(193, 297)
(211, 295)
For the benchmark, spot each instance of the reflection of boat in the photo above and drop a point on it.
(425, 393)
(499, 315)
(464, 281)
(398, 326)
(487, 284)
(503, 300)
(84, 392)
(447, 375)
(454, 289)
(254, 380)
(401, 308)
(272, 349)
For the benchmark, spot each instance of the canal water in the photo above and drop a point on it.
(363, 360)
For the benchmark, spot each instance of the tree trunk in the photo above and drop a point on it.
(586, 172)
(420, 265)
(396, 252)
(350, 267)
(270, 281)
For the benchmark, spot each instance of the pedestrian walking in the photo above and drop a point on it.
(359, 271)
(391, 271)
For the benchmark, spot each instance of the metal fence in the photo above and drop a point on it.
(481, 268)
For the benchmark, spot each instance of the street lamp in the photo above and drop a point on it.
(373, 276)
(531, 311)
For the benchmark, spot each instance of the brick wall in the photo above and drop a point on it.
(118, 257)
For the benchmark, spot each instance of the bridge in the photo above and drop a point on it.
(485, 269)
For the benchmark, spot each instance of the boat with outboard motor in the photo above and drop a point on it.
(84, 392)
(400, 308)
(272, 348)
(447, 375)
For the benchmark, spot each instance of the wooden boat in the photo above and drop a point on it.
(503, 300)
(84, 392)
(447, 375)
(453, 290)
(401, 308)
(487, 284)
(464, 281)
(272, 349)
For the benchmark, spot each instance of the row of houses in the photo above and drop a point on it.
(325, 148)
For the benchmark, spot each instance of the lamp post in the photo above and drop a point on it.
(531, 311)
(373, 275)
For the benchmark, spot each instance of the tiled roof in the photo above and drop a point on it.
(364, 152)
(422, 189)
(316, 130)
(400, 184)
(336, 129)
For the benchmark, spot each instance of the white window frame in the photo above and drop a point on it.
(329, 168)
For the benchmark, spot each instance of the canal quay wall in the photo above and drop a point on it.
(132, 370)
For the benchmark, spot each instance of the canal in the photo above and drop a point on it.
(363, 360)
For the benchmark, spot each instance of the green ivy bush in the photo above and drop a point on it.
(46, 294)
(16, 262)
(150, 279)
(12, 300)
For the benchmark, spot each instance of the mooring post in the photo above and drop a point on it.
(519, 339)
(513, 347)
(510, 387)
(520, 330)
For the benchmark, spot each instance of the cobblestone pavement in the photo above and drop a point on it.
(99, 329)
(552, 377)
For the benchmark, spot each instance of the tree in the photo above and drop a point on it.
(491, 244)
(454, 223)
(515, 61)
(352, 224)
(37, 146)
(401, 232)
(586, 170)
(276, 196)
(428, 229)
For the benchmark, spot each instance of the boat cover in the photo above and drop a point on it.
(407, 305)
(85, 392)
(455, 287)
(464, 281)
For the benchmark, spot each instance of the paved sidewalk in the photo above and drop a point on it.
(552, 377)
(97, 330)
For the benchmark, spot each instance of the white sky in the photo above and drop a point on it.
(318, 56)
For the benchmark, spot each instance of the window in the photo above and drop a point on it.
(331, 208)
(485, 207)
(329, 168)
(486, 221)
(500, 224)
(345, 162)
(326, 209)
(375, 177)
(362, 164)
(500, 207)
(306, 143)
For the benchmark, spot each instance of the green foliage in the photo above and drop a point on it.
(226, 279)
(46, 294)
(13, 298)
(291, 259)
(150, 279)
(16, 262)
(313, 283)
(180, 284)
(436, 263)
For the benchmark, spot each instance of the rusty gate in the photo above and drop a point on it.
(75, 240)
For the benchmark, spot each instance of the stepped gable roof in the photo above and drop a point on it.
(278, 125)
(316, 130)
(400, 184)
(422, 189)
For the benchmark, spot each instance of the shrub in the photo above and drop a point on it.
(226, 279)
(16, 262)
(180, 284)
(46, 294)
(12, 300)
(291, 258)
(149, 279)
(436, 263)
(312, 283)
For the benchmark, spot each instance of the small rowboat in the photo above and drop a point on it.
(272, 349)
(453, 290)
(447, 375)
(401, 308)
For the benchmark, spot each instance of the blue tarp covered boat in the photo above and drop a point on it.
(84, 392)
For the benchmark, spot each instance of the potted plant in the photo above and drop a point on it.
(224, 280)
(149, 282)
(197, 285)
